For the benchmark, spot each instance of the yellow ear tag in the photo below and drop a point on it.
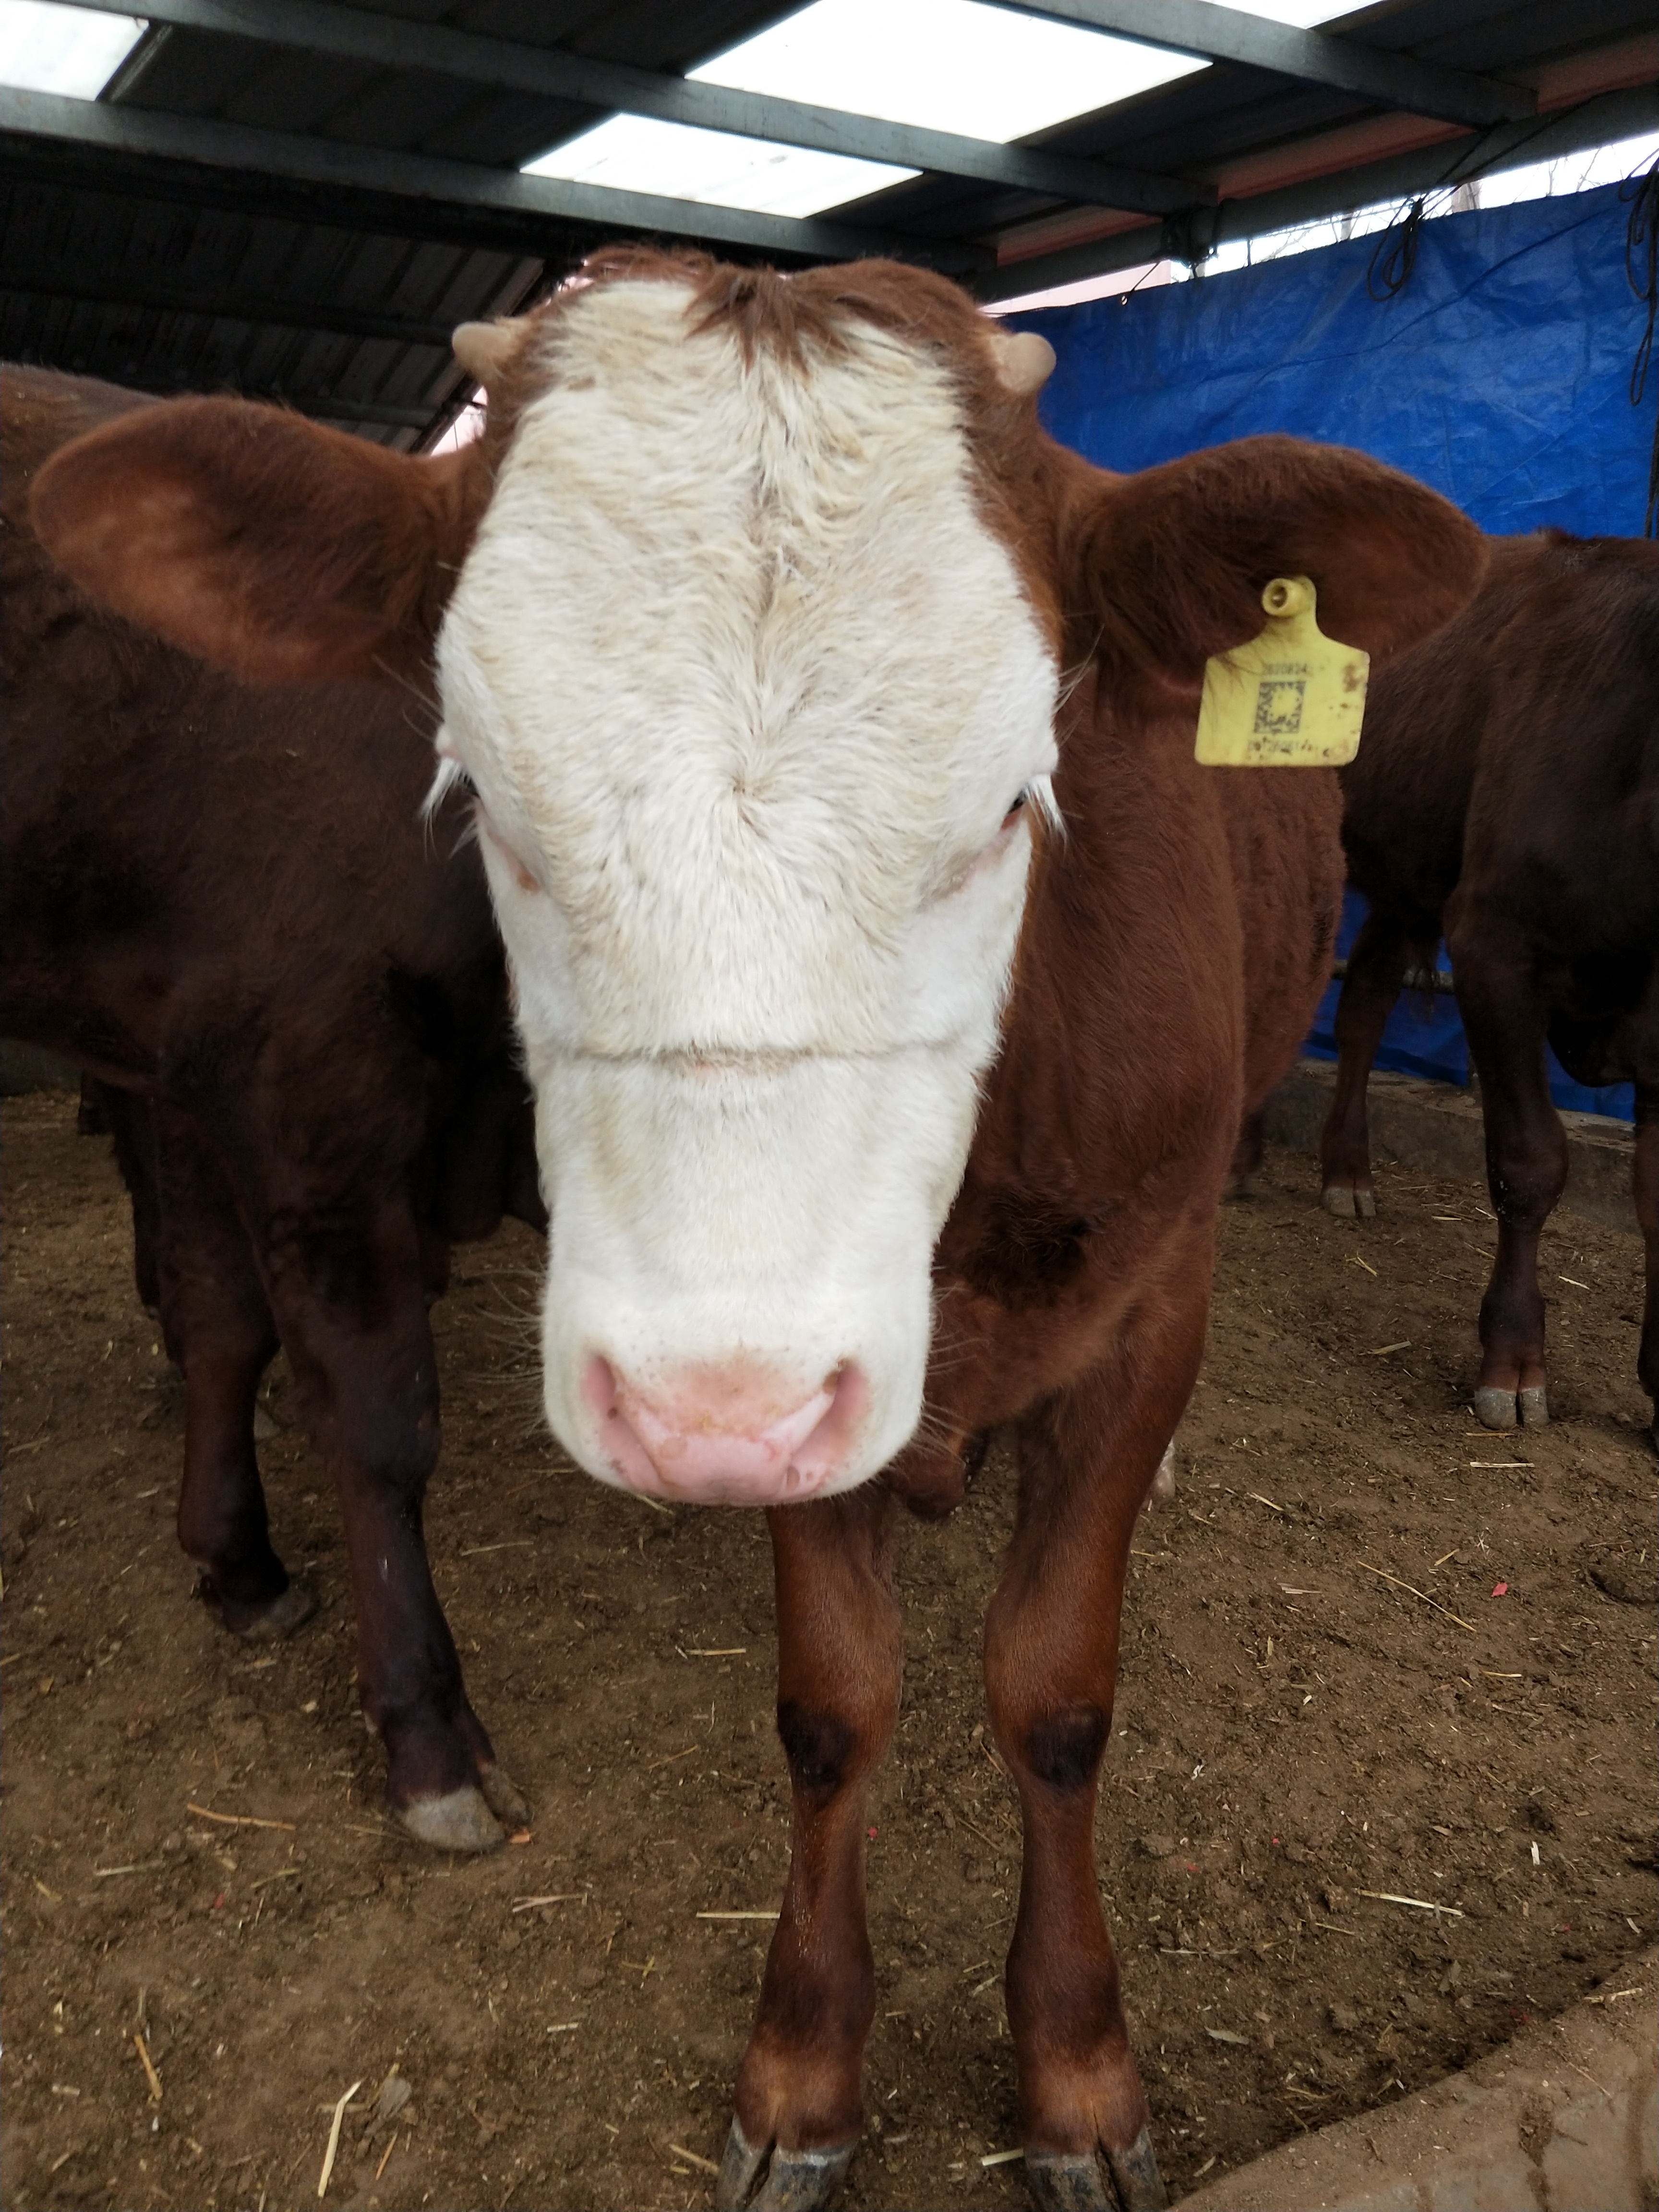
(1291, 698)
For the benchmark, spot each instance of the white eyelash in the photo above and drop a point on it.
(1039, 798)
(449, 773)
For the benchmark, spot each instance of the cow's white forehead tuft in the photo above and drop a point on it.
(737, 662)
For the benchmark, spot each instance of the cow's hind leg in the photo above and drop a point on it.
(799, 2105)
(350, 1296)
(1088, 1457)
(1505, 1022)
(195, 1260)
(1377, 966)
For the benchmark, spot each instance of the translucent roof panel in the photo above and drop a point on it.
(983, 72)
(73, 51)
(945, 64)
(639, 154)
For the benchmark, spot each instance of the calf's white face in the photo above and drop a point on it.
(755, 704)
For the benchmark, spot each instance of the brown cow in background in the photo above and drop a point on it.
(892, 980)
(1506, 795)
(290, 998)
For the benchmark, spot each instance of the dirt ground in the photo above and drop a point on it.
(1295, 1731)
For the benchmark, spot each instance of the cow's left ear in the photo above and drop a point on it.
(278, 550)
(1169, 565)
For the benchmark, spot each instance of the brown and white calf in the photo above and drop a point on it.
(891, 980)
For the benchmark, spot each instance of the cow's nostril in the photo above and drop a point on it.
(826, 1447)
(602, 1395)
(599, 1387)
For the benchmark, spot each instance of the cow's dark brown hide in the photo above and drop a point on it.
(1507, 794)
(222, 903)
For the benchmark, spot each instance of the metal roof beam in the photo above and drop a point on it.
(1598, 121)
(357, 34)
(250, 306)
(1228, 34)
(417, 177)
(339, 210)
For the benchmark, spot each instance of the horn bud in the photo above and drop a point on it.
(1025, 360)
(483, 350)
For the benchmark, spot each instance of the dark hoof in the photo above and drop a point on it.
(1495, 1409)
(1087, 2181)
(795, 2180)
(1346, 1202)
(1139, 2185)
(461, 1821)
(1535, 1406)
(502, 1799)
(269, 1624)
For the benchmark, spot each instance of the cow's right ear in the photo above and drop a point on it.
(278, 550)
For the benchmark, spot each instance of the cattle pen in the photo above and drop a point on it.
(737, 1476)
(1304, 1719)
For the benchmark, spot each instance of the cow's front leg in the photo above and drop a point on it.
(1088, 1458)
(359, 1341)
(799, 2108)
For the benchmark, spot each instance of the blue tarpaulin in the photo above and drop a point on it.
(1499, 374)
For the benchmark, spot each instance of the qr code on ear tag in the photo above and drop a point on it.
(1279, 707)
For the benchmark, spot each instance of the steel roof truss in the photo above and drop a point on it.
(1598, 121)
(109, 289)
(296, 155)
(1228, 34)
(357, 34)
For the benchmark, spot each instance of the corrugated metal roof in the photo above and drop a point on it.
(256, 210)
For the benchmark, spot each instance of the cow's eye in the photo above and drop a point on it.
(1038, 797)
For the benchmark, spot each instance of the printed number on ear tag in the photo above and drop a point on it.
(1291, 698)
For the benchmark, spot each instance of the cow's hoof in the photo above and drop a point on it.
(1495, 1409)
(1139, 2185)
(461, 1821)
(269, 1624)
(1345, 1201)
(502, 1797)
(1076, 2181)
(1535, 1406)
(789, 2180)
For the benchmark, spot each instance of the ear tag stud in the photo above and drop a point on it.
(1291, 698)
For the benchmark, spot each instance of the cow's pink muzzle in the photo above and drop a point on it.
(725, 1435)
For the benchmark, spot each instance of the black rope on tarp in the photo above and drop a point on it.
(1391, 271)
(1642, 267)
(1394, 255)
